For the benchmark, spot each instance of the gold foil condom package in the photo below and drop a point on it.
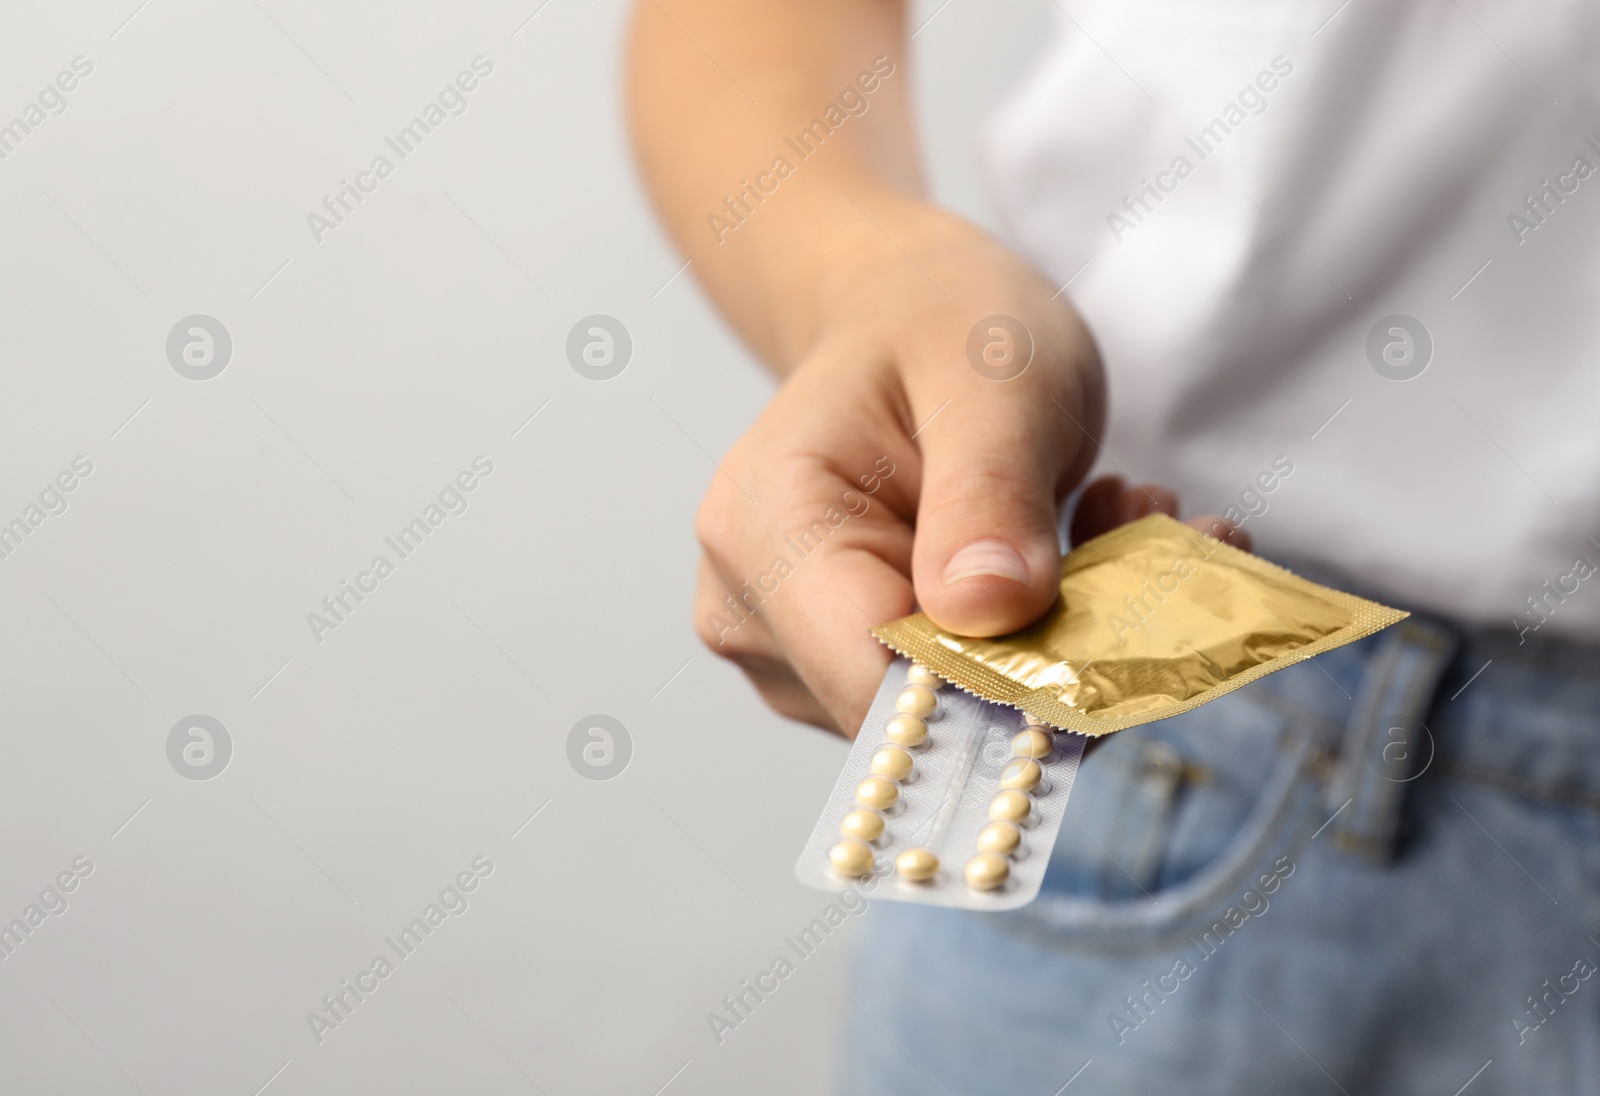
(956, 787)
(1154, 619)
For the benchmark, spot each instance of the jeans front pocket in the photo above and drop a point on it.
(1167, 821)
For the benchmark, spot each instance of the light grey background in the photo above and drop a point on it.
(369, 369)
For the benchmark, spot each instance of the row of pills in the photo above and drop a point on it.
(878, 794)
(1012, 806)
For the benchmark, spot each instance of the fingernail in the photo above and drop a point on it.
(986, 557)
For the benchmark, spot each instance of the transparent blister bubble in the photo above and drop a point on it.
(944, 806)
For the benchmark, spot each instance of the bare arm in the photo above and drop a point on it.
(778, 255)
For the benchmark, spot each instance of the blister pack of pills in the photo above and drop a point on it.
(957, 801)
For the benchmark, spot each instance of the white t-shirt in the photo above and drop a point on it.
(1243, 192)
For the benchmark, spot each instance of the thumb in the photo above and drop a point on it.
(986, 555)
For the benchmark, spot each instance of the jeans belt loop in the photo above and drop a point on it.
(1386, 742)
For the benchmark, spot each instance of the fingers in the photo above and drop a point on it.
(824, 604)
(793, 602)
(824, 616)
(733, 631)
(1096, 510)
(1109, 502)
(1223, 530)
(1144, 499)
(987, 552)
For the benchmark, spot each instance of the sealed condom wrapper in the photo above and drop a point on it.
(958, 781)
(1154, 619)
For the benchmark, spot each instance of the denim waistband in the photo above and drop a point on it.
(1521, 712)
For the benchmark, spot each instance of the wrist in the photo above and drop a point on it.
(856, 253)
(910, 257)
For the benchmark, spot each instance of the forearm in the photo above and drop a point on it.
(778, 213)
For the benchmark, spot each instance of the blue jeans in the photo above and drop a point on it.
(1378, 872)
